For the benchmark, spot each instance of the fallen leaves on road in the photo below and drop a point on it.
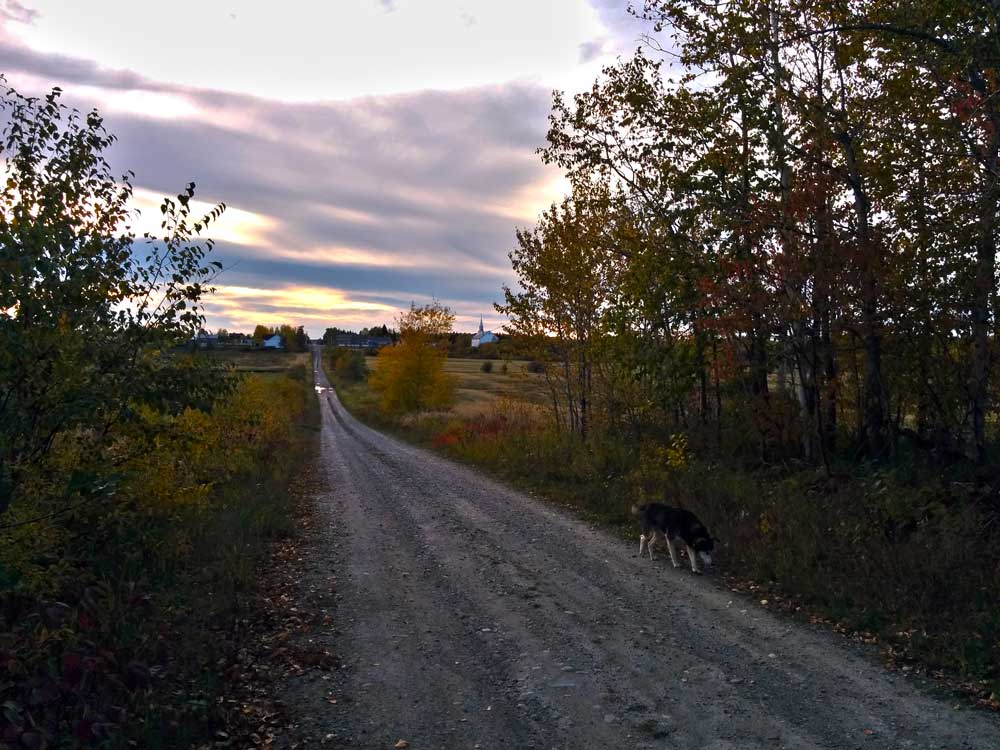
(268, 651)
(896, 651)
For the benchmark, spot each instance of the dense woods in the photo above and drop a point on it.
(785, 211)
(780, 250)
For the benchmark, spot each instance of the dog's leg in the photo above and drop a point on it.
(673, 552)
(649, 545)
(642, 543)
(693, 558)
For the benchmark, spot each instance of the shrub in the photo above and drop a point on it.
(92, 621)
(487, 366)
(349, 365)
(535, 366)
(410, 377)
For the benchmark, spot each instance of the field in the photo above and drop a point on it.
(261, 361)
(476, 391)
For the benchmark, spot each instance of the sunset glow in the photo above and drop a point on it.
(371, 153)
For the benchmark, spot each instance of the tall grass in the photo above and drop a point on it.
(110, 633)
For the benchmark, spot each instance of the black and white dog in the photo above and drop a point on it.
(673, 524)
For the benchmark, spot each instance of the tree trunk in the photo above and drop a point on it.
(983, 290)
(871, 267)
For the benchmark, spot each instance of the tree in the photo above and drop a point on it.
(410, 375)
(432, 321)
(293, 338)
(261, 332)
(807, 216)
(87, 311)
(563, 267)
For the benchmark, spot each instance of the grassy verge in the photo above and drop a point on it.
(119, 623)
(905, 554)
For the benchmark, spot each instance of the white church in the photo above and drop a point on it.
(483, 337)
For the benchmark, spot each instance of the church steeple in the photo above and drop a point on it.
(480, 325)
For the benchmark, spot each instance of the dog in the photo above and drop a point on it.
(673, 524)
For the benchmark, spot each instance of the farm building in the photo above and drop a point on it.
(273, 342)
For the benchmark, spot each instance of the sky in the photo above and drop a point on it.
(370, 152)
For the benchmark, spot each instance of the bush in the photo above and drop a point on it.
(102, 632)
(410, 377)
(348, 364)
(535, 366)
(487, 366)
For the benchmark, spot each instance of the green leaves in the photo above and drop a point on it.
(87, 317)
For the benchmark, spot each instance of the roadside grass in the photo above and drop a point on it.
(901, 554)
(124, 631)
(254, 360)
(476, 391)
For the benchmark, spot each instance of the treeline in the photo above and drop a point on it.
(784, 216)
(779, 253)
(294, 339)
(382, 331)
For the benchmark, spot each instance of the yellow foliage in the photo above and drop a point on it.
(658, 466)
(195, 450)
(676, 454)
(186, 456)
(410, 377)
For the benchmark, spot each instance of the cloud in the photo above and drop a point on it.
(624, 30)
(11, 10)
(591, 50)
(379, 200)
(304, 50)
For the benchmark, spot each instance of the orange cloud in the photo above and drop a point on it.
(235, 225)
(316, 307)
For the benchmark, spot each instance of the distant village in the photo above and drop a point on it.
(482, 343)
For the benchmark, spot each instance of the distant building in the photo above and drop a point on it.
(274, 342)
(205, 340)
(355, 341)
(483, 337)
(222, 340)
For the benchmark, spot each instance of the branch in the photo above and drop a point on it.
(889, 28)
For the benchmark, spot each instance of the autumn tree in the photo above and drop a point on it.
(563, 266)
(261, 332)
(88, 311)
(410, 375)
(810, 202)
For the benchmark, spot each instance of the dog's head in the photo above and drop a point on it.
(704, 546)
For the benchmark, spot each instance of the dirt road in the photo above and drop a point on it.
(468, 615)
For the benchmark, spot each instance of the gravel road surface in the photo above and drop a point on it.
(468, 615)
